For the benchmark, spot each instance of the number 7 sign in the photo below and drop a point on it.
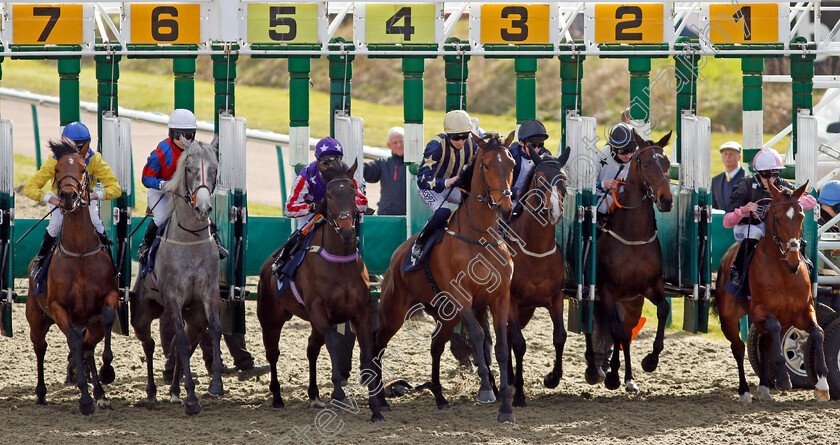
(50, 24)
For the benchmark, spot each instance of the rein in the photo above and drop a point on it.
(489, 199)
(81, 188)
(648, 189)
(784, 247)
(190, 197)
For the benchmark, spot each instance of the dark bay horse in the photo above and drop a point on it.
(780, 290)
(472, 269)
(187, 271)
(538, 275)
(629, 263)
(334, 285)
(82, 288)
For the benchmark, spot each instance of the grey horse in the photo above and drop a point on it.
(187, 270)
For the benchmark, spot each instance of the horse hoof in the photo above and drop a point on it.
(106, 374)
(377, 417)
(764, 394)
(192, 408)
(216, 390)
(784, 385)
(821, 392)
(650, 362)
(506, 417)
(745, 398)
(443, 406)
(631, 386)
(486, 396)
(593, 375)
(103, 403)
(386, 408)
(87, 408)
(611, 381)
(316, 403)
(277, 402)
(40, 401)
(551, 380)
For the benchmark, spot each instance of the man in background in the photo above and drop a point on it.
(724, 183)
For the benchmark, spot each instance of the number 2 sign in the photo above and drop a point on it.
(617, 23)
(177, 23)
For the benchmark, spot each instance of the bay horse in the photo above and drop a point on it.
(82, 289)
(187, 276)
(538, 275)
(472, 269)
(629, 263)
(780, 297)
(334, 285)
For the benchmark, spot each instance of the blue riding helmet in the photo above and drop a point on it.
(76, 131)
(532, 127)
(830, 193)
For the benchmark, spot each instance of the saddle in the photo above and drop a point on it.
(291, 256)
(41, 278)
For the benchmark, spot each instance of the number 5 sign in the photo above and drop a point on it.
(398, 23)
(50, 24)
(176, 23)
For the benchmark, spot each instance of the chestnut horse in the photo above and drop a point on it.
(472, 269)
(629, 263)
(333, 282)
(780, 291)
(82, 288)
(538, 274)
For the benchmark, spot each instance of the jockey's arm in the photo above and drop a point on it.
(151, 173)
(33, 188)
(296, 205)
(361, 200)
(102, 171)
(426, 173)
(808, 201)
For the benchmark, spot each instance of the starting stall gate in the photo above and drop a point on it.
(7, 226)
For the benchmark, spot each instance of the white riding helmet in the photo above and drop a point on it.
(457, 121)
(182, 119)
(768, 159)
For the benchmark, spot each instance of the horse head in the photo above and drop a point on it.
(547, 187)
(495, 174)
(71, 179)
(195, 177)
(339, 207)
(653, 167)
(784, 223)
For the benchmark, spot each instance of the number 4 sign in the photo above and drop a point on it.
(398, 23)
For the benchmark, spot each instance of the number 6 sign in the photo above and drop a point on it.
(176, 23)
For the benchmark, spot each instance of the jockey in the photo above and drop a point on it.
(309, 189)
(96, 166)
(531, 143)
(612, 168)
(829, 204)
(750, 200)
(159, 168)
(444, 158)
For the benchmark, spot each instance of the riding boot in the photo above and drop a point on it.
(46, 244)
(437, 221)
(802, 248)
(223, 253)
(736, 273)
(148, 239)
(287, 250)
(103, 238)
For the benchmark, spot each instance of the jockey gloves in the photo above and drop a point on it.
(830, 193)
(182, 119)
(76, 131)
(457, 121)
(532, 128)
(328, 147)
(731, 145)
(621, 139)
(768, 159)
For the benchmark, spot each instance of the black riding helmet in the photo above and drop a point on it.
(532, 128)
(621, 139)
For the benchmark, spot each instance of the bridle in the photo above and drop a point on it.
(331, 219)
(789, 246)
(550, 161)
(649, 191)
(488, 197)
(190, 196)
(80, 186)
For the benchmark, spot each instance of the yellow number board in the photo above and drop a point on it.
(616, 23)
(47, 24)
(514, 23)
(404, 23)
(750, 23)
(165, 23)
(282, 23)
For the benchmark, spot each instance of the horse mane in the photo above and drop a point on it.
(63, 147)
(177, 184)
(335, 170)
(494, 142)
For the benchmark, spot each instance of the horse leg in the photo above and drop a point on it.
(92, 337)
(552, 379)
(182, 347)
(334, 345)
(39, 325)
(617, 331)
(517, 345)
(393, 312)
(142, 314)
(500, 311)
(211, 311)
(271, 341)
(485, 391)
(313, 349)
(629, 384)
(732, 332)
(488, 351)
(764, 373)
(74, 341)
(651, 361)
(816, 334)
(632, 314)
(109, 315)
(438, 346)
(775, 329)
(364, 336)
(593, 374)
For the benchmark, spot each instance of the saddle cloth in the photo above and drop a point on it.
(408, 265)
(284, 276)
(743, 291)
